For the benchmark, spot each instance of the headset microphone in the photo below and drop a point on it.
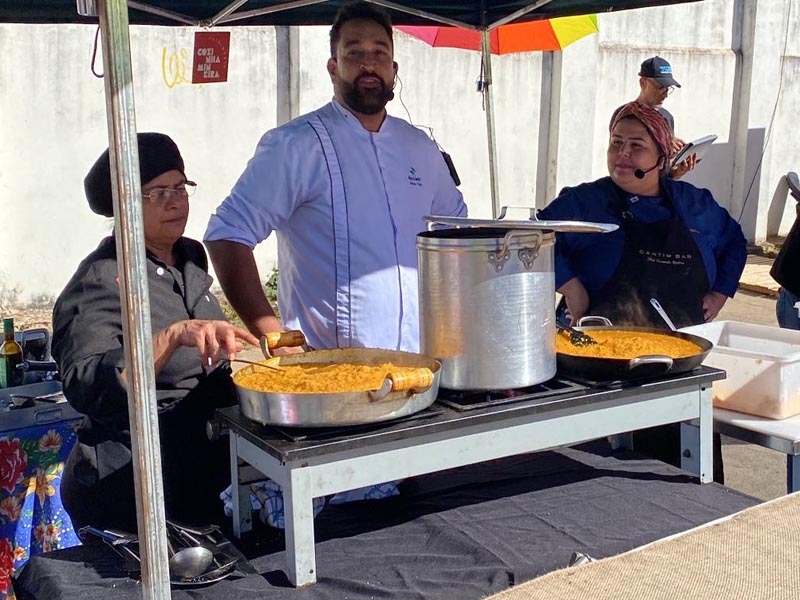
(639, 174)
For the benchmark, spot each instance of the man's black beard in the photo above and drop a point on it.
(366, 102)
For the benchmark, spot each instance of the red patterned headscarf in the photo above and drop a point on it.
(653, 121)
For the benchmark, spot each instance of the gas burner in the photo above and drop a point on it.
(307, 434)
(470, 400)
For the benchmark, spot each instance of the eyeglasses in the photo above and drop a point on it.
(669, 88)
(161, 195)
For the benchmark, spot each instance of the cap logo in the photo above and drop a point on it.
(665, 70)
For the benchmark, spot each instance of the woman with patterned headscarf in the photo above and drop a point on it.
(674, 243)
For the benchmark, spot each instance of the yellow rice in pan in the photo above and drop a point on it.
(626, 345)
(317, 378)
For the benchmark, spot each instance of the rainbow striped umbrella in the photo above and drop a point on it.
(543, 35)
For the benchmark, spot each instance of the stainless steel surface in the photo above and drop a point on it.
(487, 309)
(351, 408)
(532, 224)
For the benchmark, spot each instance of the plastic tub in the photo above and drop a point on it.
(762, 365)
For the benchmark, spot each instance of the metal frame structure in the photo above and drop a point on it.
(307, 471)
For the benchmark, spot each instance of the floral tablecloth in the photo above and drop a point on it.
(32, 518)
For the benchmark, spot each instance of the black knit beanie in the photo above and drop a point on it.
(157, 155)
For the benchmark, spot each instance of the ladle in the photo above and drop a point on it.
(185, 563)
(576, 337)
(190, 562)
(663, 314)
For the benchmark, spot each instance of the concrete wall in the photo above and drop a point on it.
(737, 60)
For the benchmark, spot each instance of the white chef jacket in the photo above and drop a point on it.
(346, 205)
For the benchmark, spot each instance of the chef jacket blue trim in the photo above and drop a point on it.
(340, 224)
(593, 257)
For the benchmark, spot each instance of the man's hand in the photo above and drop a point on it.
(712, 304)
(577, 299)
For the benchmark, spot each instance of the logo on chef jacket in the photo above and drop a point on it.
(413, 179)
(665, 258)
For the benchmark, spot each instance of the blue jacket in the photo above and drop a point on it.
(593, 257)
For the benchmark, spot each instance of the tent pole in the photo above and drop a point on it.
(486, 57)
(135, 300)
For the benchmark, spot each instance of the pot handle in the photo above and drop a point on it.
(586, 319)
(281, 339)
(652, 359)
(418, 380)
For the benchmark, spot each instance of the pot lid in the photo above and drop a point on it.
(535, 224)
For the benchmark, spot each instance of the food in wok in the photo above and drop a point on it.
(622, 344)
(315, 378)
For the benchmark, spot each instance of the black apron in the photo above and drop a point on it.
(659, 260)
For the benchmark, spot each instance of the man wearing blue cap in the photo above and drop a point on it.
(656, 82)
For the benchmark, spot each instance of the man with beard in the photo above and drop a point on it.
(345, 188)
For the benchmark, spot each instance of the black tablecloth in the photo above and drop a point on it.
(461, 534)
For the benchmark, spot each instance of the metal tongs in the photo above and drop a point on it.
(576, 337)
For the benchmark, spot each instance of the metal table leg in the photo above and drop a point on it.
(792, 473)
(697, 445)
(240, 494)
(298, 510)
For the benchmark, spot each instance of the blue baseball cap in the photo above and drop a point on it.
(660, 70)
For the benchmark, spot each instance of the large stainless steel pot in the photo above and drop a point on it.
(335, 409)
(486, 302)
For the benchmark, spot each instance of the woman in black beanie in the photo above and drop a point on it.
(189, 333)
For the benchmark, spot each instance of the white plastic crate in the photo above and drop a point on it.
(762, 365)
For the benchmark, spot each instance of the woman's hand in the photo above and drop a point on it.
(210, 338)
(577, 299)
(712, 304)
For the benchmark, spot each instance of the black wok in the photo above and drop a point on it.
(612, 369)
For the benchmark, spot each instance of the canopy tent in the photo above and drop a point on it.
(114, 19)
(476, 14)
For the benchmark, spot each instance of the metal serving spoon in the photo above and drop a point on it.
(663, 314)
(576, 338)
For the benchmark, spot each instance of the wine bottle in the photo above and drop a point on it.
(10, 357)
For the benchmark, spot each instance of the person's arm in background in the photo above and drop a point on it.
(729, 248)
(261, 201)
(448, 200)
(238, 275)
(576, 297)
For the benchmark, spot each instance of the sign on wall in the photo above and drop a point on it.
(210, 63)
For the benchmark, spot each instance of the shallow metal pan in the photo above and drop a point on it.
(646, 366)
(337, 409)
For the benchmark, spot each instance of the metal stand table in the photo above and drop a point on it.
(449, 439)
(782, 435)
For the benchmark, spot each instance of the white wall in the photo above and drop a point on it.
(54, 123)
